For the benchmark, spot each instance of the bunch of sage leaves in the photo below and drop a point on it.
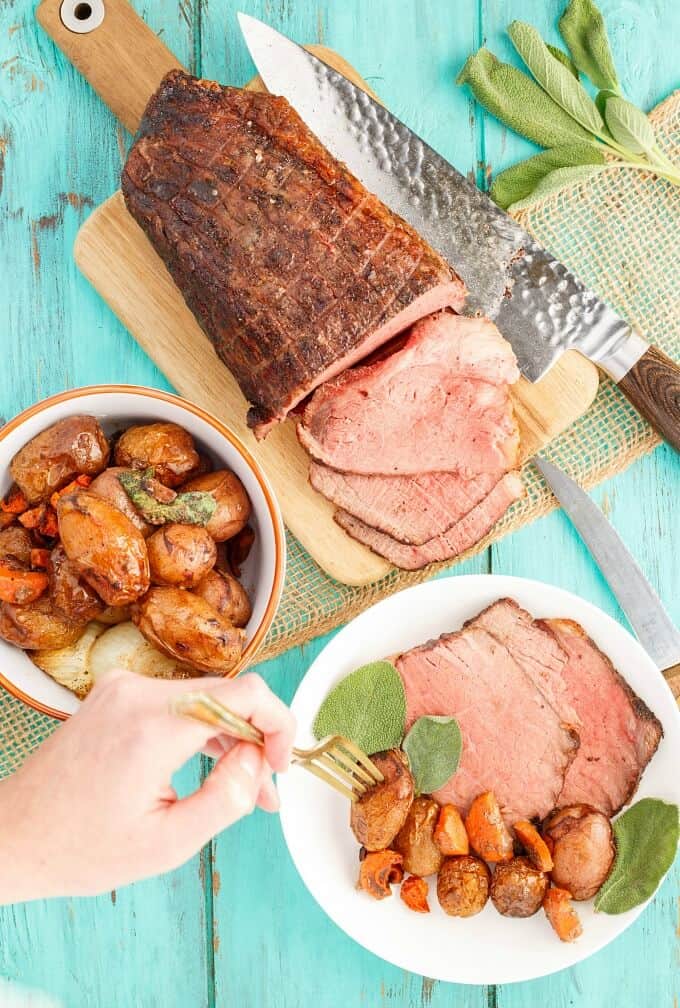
(582, 135)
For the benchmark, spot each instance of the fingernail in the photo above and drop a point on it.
(250, 760)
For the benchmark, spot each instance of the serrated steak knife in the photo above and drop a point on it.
(537, 303)
(643, 608)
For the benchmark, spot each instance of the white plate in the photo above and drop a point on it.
(488, 948)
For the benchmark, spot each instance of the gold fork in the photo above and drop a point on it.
(336, 760)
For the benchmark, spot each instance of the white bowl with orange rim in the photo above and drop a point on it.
(117, 407)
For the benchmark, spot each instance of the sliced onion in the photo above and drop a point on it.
(70, 666)
(124, 647)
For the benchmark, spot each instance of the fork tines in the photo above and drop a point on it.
(343, 765)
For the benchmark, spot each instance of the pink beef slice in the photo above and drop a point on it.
(411, 509)
(454, 541)
(440, 404)
(514, 742)
(535, 649)
(293, 269)
(619, 734)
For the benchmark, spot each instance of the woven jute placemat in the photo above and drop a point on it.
(618, 232)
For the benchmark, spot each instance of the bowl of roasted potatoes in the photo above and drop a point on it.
(136, 531)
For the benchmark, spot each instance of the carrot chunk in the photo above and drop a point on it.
(31, 519)
(40, 558)
(19, 587)
(379, 870)
(449, 833)
(488, 835)
(42, 519)
(561, 914)
(534, 844)
(414, 894)
(15, 501)
(80, 481)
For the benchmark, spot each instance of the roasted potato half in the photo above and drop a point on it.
(415, 840)
(71, 594)
(463, 885)
(73, 446)
(183, 626)
(224, 593)
(233, 504)
(582, 846)
(167, 447)
(37, 626)
(181, 555)
(379, 814)
(104, 546)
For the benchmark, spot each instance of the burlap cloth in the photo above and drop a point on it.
(619, 233)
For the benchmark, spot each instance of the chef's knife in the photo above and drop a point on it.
(537, 303)
(642, 606)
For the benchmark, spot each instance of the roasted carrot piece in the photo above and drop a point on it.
(49, 525)
(449, 833)
(534, 844)
(19, 587)
(80, 481)
(6, 519)
(31, 519)
(40, 558)
(379, 870)
(561, 914)
(488, 835)
(414, 894)
(15, 501)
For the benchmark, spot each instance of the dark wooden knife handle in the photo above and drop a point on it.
(672, 677)
(653, 387)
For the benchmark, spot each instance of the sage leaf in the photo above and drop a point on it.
(646, 839)
(582, 28)
(368, 707)
(601, 99)
(628, 125)
(564, 59)
(517, 183)
(518, 102)
(555, 180)
(554, 77)
(195, 507)
(433, 747)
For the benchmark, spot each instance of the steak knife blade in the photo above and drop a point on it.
(643, 607)
(538, 304)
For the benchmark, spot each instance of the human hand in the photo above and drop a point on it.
(93, 808)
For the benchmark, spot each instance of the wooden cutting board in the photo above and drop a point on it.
(124, 61)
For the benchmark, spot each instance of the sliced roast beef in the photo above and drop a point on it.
(411, 509)
(291, 267)
(461, 536)
(619, 734)
(535, 649)
(514, 742)
(440, 404)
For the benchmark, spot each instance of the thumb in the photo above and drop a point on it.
(227, 794)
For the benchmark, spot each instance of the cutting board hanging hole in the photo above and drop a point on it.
(82, 16)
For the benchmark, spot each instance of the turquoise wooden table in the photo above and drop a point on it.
(235, 927)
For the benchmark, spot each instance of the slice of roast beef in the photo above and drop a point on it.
(440, 404)
(291, 267)
(411, 509)
(535, 649)
(461, 536)
(619, 734)
(514, 742)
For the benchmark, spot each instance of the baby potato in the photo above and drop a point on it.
(16, 544)
(463, 886)
(37, 626)
(185, 627)
(165, 446)
(582, 847)
(71, 594)
(517, 888)
(108, 486)
(224, 593)
(105, 547)
(233, 504)
(181, 555)
(377, 817)
(415, 839)
(73, 446)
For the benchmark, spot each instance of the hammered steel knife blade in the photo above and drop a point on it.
(643, 608)
(537, 303)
